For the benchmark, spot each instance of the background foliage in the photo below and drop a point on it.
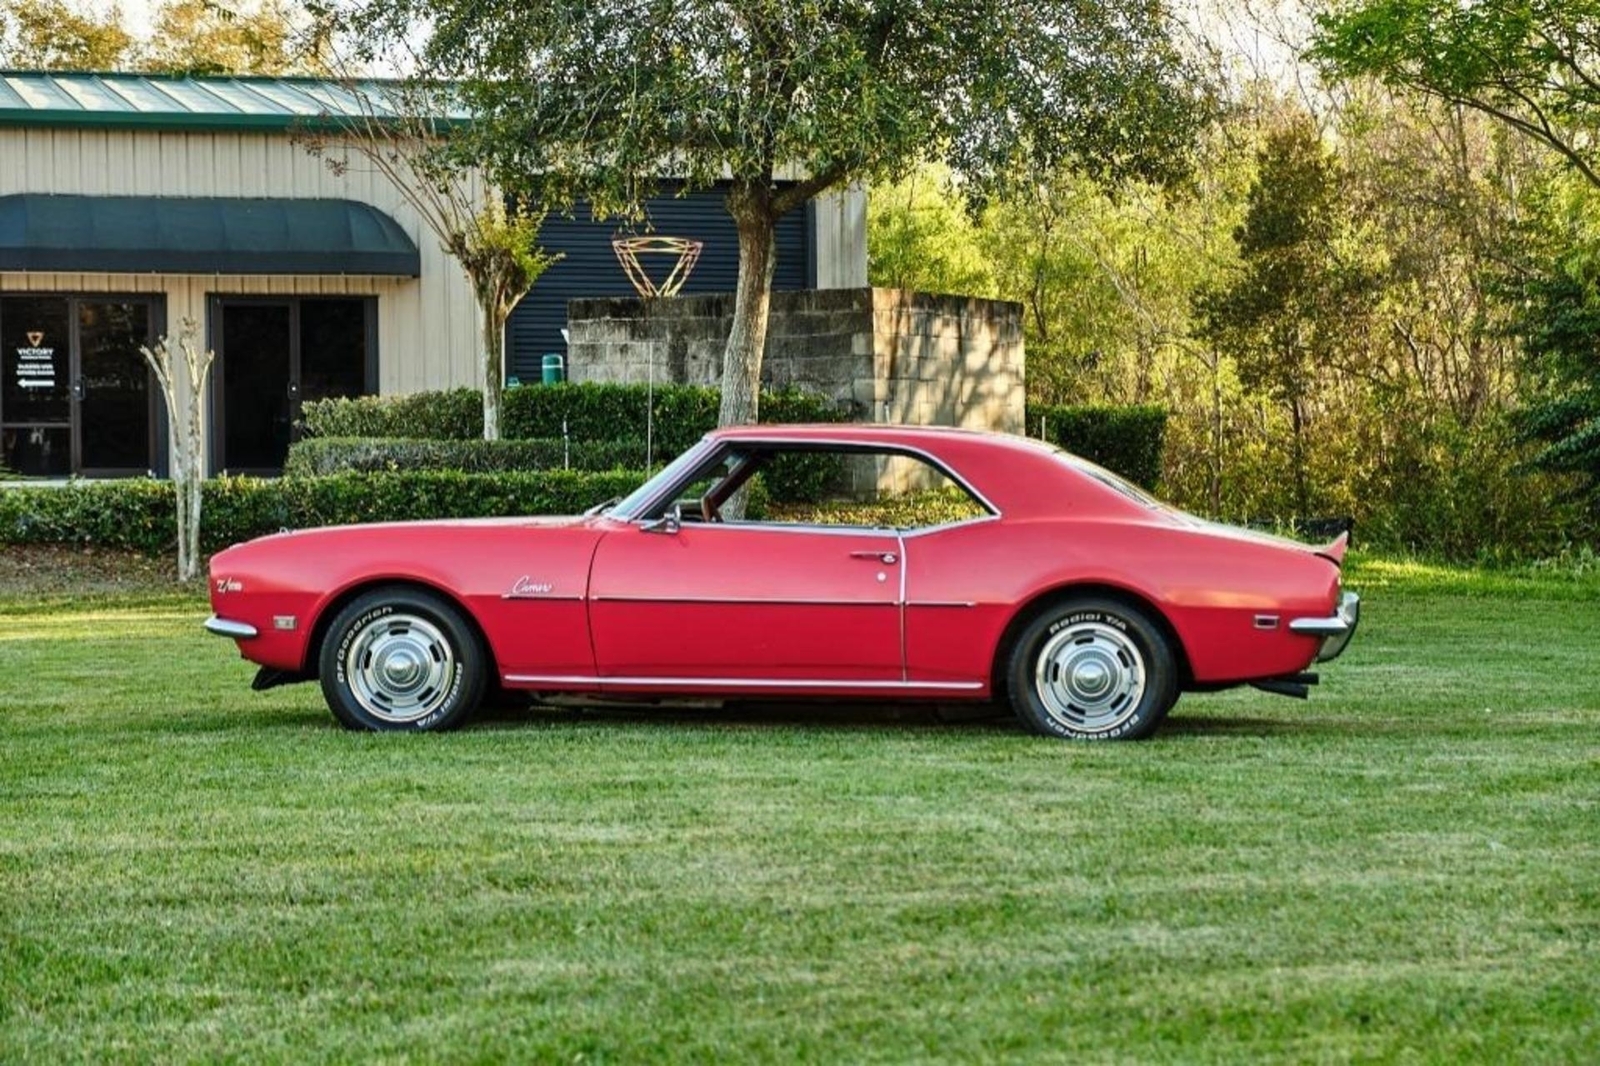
(1365, 303)
(137, 514)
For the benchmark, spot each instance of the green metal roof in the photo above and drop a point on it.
(182, 102)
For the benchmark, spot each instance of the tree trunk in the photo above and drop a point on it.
(494, 373)
(1302, 481)
(751, 208)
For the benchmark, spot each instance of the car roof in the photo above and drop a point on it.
(1020, 476)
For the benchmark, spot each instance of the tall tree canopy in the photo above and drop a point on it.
(1532, 64)
(1295, 305)
(784, 99)
(183, 37)
(50, 35)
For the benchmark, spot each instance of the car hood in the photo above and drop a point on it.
(326, 534)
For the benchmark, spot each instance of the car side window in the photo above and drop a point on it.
(855, 488)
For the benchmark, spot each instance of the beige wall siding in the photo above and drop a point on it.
(427, 327)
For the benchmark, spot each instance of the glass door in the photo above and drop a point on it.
(36, 391)
(116, 403)
(273, 354)
(253, 376)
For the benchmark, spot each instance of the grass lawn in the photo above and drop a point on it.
(1405, 867)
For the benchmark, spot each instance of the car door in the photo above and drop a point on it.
(742, 605)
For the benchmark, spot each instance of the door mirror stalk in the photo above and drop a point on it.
(671, 522)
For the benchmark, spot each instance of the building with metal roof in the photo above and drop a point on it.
(45, 99)
(132, 203)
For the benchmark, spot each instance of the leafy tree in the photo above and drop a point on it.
(921, 236)
(205, 37)
(1295, 306)
(785, 99)
(52, 35)
(186, 37)
(1559, 322)
(1532, 64)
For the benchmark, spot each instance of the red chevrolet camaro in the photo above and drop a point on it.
(1040, 579)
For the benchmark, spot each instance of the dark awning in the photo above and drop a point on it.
(201, 235)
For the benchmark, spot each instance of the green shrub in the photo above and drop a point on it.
(323, 456)
(1126, 440)
(455, 414)
(138, 513)
(682, 414)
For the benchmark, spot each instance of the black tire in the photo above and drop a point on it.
(1091, 668)
(399, 659)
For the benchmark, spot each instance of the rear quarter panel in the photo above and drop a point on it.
(965, 585)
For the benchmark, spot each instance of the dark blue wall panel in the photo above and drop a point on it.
(591, 268)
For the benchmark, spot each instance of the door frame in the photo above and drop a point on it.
(720, 612)
(156, 458)
(216, 408)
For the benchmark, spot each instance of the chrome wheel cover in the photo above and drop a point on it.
(1090, 676)
(400, 667)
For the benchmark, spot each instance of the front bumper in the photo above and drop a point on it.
(1336, 630)
(223, 627)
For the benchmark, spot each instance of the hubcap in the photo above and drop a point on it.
(1090, 677)
(400, 667)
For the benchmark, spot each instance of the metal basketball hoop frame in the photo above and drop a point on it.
(629, 249)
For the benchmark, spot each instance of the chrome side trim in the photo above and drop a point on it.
(744, 600)
(794, 527)
(741, 682)
(901, 620)
(539, 597)
(941, 603)
(923, 531)
(222, 627)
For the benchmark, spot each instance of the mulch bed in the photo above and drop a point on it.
(32, 571)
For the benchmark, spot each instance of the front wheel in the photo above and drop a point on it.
(401, 659)
(1092, 669)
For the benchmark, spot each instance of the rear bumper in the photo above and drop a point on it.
(1335, 630)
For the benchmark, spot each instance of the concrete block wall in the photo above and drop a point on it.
(885, 355)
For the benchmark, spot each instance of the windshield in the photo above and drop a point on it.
(669, 473)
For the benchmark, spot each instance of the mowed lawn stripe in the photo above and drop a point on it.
(1404, 866)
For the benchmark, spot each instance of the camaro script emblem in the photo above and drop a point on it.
(524, 587)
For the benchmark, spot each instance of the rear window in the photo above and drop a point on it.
(1115, 482)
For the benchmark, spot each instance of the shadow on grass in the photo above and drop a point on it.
(743, 714)
(1246, 725)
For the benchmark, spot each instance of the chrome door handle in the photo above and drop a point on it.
(886, 558)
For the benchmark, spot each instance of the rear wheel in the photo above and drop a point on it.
(1092, 669)
(402, 659)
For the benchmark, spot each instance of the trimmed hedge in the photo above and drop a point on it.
(139, 514)
(324, 456)
(454, 414)
(1126, 440)
(591, 412)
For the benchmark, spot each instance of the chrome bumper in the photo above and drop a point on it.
(1335, 631)
(224, 628)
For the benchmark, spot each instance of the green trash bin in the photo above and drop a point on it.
(553, 369)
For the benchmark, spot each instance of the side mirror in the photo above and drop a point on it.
(670, 522)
